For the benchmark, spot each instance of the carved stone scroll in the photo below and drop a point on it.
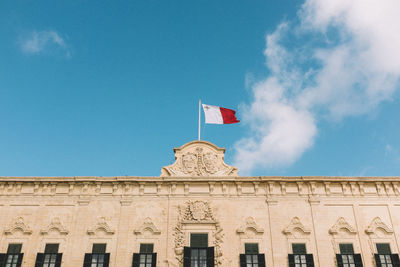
(199, 158)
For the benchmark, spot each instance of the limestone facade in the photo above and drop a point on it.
(199, 193)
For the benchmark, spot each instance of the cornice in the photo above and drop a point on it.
(269, 187)
(203, 178)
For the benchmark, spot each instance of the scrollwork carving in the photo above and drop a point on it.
(342, 224)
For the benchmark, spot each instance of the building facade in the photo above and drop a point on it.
(199, 212)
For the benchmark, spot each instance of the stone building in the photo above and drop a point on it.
(199, 212)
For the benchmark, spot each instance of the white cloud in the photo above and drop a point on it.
(345, 62)
(39, 41)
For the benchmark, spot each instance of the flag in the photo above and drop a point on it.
(218, 115)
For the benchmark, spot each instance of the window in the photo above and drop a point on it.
(347, 258)
(199, 244)
(146, 257)
(50, 257)
(252, 258)
(98, 251)
(98, 257)
(385, 258)
(300, 258)
(198, 254)
(13, 258)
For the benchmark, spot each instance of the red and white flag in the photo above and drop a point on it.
(218, 115)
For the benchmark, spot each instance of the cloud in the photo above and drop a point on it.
(40, 41)
(340, 59)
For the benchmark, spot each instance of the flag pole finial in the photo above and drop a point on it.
(199, 118)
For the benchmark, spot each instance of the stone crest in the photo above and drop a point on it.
(199, 158)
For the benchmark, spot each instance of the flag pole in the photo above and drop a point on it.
(199, 117)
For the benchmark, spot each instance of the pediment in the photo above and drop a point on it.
(378, 224)
(101, 226)
(56, 225)
(296, 225)
(18, 224)
(342, 224)
(199, 158)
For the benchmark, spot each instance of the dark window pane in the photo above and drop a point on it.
(146, 248)
(199, 240)
(51, 248)
(383, 248)
(14, 248)
(299, 248)
(251, 248)
(99, 248)
(346, 248)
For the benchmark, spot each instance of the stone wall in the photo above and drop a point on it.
(272, 211)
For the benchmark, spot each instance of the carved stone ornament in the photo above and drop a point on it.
(197, 212)
(199, 158)
(250, 224)
(295, 224)
(101, 225)
(342, 224)
(147, 225)
(55, 225)
(378, 223)
(18, 224)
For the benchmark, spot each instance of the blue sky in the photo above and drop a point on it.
(109, 88)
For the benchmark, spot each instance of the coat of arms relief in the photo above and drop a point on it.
(199, 158)
(197, 212)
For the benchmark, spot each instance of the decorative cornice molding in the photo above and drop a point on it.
(378, 223)
(295, 224)
(147, 225)
(18, 224)
(101, 225)
(232, 186)
(341, 223)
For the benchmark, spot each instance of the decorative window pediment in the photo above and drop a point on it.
(250, 225)
(55, 225)
(377, 223)
(20, 225)
(147, 225)
(101, 225)
(294, 225)
(342, 224)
